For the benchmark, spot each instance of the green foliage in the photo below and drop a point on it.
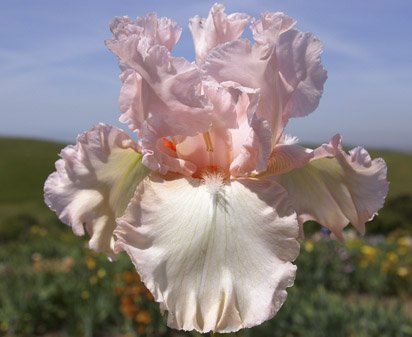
(320, 313)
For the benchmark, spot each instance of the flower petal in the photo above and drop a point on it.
(336, 188)
(93, 183)
(302, 73)
(284, 63)
(167, 89)
(215, 254)
(154, 30)
(285, 158)
(216, 29)
(252, 139)
(268, 29)
(252, 67)
(161, 94)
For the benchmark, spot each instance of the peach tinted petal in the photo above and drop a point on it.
(270, 26)
(302, 73)
(216, 255)
(253, 67)
(156, 31)
(216, 150)
(216, 29)
(287, 157)
(252, 139)
(161, 158)
(336, 188)
(93, 183)
(160, 94)
(284, 64)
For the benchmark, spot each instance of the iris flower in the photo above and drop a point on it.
(209, 198)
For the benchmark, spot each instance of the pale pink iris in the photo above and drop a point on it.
(209, 199)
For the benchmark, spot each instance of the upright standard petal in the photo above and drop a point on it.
(160, 87)
(252, 66)
(161, 94)
(336, 188)
(215, 254)
(284, 63)
(302, 73)
(93, 183)
(216, 29)
(154, 30)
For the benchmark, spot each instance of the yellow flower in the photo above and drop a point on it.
(90, 263)
(143, 317)
(392, 258)
(402, 271)
(309, 246)
(101, 273)
(369, 251)
(405, 242)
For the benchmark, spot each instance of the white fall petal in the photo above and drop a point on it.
(216, 255)
(93, 183)
(336, 188)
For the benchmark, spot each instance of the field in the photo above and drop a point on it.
(51, 285)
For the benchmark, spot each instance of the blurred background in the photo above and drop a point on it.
(57, 80)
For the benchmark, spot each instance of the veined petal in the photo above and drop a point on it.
(154, 30)
(93, 183)
(252, 139)
(287, 157)
(160, 158)
(252, 67)
(216, 29)
(268, 29)
(336, 188)
(162, 87)
(284, 63)
(302, 73)
(160, 94)
(215, 254)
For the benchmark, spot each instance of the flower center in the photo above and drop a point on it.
(210, 151)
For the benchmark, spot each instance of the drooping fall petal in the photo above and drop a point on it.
(216, 255)
(216, 29)
(93, 183)
(336, 188)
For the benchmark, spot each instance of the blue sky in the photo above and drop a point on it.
(57, 79)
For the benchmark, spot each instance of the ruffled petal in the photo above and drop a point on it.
(252, 139)
(215, 254)
(270, 26)
(168, 89)
(160, 93)
(160, 158)
(93, 183)
(216, 29)
(284, 63)
(252, 67)
(302, 73)
(336, 188)
(154, 30)
(287, 157)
